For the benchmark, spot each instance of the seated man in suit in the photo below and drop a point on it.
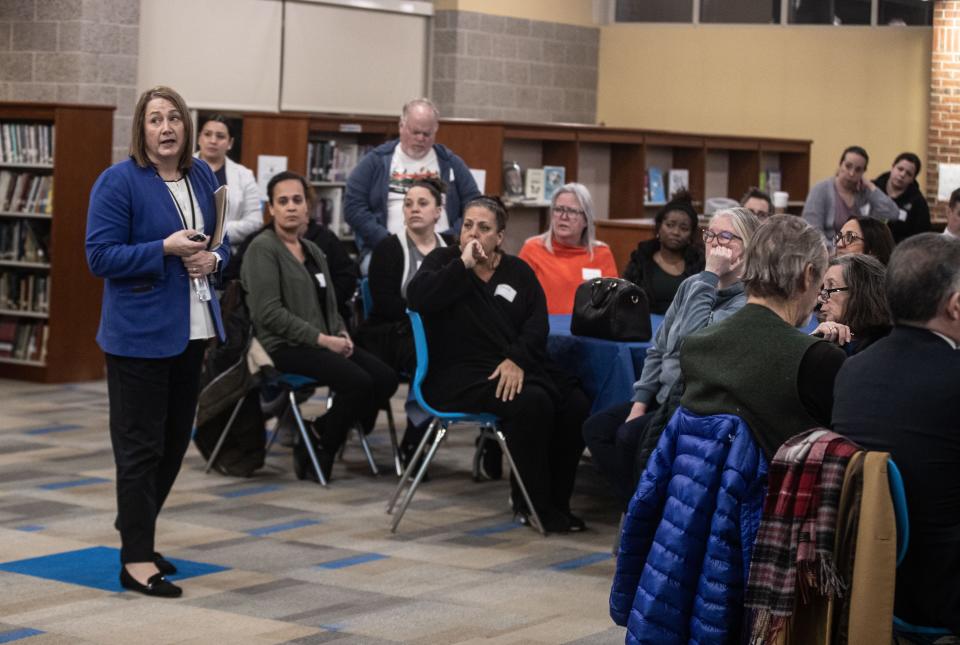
(902, 396)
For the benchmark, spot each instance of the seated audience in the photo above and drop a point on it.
(853, 304)
(865, 235)
(952, 228)
(658, 266)
(394, 262)
(903, 397)
(485, 316)
(847, 194)
(756, 364)
(758, 202)
(343, 269)
(613, 435)
(293, 307)
(900, 185)
(568, 253)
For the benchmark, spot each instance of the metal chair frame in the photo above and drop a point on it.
(437, 431)
(286, 403)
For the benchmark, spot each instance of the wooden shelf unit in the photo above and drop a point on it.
(83, 149)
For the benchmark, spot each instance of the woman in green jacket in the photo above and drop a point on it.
(293, 306)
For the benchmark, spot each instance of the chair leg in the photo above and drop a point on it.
(366, 450)
(534, 517)
(275, 433)
(408, 472)
(477, 455)
(440, 434)
(305, 437)
(392, 427)
(223, 435)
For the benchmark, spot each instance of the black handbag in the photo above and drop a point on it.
(612, 309)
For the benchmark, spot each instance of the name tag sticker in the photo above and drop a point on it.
(590, 274)
(865, 210)
(506, 292)
(321, 279)
(903, 215)
(419, 263)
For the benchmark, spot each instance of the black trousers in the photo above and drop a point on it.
(613, 445)
(152, 405)
(544, 438)
(363, 384)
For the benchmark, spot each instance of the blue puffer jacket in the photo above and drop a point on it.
(685, 549)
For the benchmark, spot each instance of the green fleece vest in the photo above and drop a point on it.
(747, 365)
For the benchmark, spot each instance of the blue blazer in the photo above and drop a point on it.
(146, 296)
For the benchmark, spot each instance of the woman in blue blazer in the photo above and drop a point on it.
(148, 236)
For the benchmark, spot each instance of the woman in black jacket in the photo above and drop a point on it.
(485, 316)
(658, 266)
(900, 185)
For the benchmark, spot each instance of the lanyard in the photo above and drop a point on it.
(176, 202)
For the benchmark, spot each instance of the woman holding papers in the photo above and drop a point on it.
(147, 236)
(244, 215)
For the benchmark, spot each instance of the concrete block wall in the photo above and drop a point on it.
(72, 51)
(496, 67)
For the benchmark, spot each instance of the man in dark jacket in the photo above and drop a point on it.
(373, 205)
(900, 185)
(902, 396)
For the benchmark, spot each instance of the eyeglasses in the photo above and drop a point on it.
(723, 237)
(567, 212)
(760, 214)
(825, 293)
(847, 238)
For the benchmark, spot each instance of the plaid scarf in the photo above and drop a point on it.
(794, 544)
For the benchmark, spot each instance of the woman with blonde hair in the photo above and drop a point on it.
(568, 253)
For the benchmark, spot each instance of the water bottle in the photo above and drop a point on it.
(201, 287)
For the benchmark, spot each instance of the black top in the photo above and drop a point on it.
(912, 201)
(221, 175)
(642, 268)
(756, 366)
(902, 396)
(472, 325)
(314, 269)
(385, 274)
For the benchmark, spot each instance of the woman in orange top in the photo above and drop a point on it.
(568, 253)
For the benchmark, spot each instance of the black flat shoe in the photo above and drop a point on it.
(553, 521)
(157, 585)
(576, 524)
(165, 566)
(303, 467)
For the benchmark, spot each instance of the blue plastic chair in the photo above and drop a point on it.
(278, 398)
(490, 426)
(366, 296)
(899, 495)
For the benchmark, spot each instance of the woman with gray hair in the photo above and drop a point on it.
(756, 364)
(568, 253)
(617, 436)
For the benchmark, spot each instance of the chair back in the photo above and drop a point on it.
(366, 296)
(899, 496)
(423, 362)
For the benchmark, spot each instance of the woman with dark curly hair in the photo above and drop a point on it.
(853, 302)
(866, 235)
(658, 266)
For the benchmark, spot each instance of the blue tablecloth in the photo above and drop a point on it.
(606, 369)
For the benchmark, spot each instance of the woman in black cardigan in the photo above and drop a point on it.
(658, 266)
(486, 320)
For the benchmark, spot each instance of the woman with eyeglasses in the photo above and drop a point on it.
(658, 266)
(615, 434)
(853, 303)
(485, 317)
(865, 235)
(568, 253)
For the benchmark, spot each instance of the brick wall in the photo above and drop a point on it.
(72, 51)
(496, 67)
(943, 138)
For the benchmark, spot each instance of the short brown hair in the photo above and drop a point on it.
(779, 254)
(138, 143)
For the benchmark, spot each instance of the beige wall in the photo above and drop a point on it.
(835, 86)
(574, 12)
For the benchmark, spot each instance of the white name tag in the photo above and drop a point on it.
(865, 210)
(506, 292)
(903, 215)
(321, 279)
(590, 274)
(419, 262)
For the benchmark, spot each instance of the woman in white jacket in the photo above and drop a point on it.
(244, 214)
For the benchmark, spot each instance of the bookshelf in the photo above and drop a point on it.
(49, 301)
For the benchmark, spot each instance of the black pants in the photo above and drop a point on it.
(543, 438)
(613, 445)
(363, 384)
(152, 405)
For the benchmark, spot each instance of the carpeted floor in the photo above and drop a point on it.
(273, 560)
